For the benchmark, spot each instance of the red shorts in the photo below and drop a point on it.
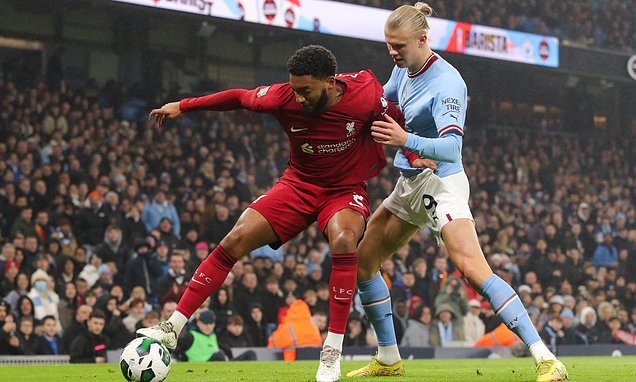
(292, 205)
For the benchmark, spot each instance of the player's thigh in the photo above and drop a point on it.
(273, 218)
(251, 231)
(384, 235)
(342, 215)
(465, 252)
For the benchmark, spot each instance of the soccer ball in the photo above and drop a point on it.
(145, 360)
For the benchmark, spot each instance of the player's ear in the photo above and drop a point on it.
(331, 81)
(423, 39)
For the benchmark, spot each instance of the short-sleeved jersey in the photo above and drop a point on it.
(433, 101)
(335, 147)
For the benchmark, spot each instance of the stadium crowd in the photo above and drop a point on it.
(103, 221)
(598, 23)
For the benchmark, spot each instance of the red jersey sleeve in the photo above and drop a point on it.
(391, 110)
(263, 99)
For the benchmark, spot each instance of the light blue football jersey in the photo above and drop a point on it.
(433, 101)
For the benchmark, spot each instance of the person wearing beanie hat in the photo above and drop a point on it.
(200, 344)
(45, 300)
(474, 327)
(446, 328)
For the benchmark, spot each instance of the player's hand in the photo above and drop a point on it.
(170, 110)
(388, 132)
(425, 163)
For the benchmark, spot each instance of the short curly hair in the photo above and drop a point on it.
(313, 60)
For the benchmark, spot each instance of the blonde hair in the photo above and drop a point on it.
(412, 17)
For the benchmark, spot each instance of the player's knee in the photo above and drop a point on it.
(344, 241)
(366, 271)
(232, 242)
(465, 261)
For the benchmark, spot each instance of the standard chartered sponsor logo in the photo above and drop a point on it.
(328, 148)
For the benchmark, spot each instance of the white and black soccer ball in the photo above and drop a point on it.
(145, 360)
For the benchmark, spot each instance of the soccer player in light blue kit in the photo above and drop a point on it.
(432, 96)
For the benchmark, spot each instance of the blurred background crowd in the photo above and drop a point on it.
(103, 220)
(594, 23)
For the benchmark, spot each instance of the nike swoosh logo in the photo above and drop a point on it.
(293, 130)
(197, 281)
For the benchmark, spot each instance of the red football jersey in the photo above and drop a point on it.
(332, 148)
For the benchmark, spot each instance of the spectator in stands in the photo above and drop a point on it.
(26, 308)
(223, 307)
(571, 335)
(135, 314)
(552, 333)
(9, 342)
(24, 224)
(68, 304)
(446, 329)
(422, 285)
(167, 309)
(474, 327)
(49, 341)
(112, 248)
(8, 280)
(418, 328)
(256, 328)
(90, 272)
(133, 227)
(173, 284)
(160, 208)
(90, 346)
(114, 327)
(142, 270)
(45, 300)
(453, 293)
(22, 286)
(606, 254)
(150, 319)
(273, 299)
(405, 290)
(199, 343)
(220, 225)
(7, 255)
(28, 340)
(246, 294)
(78, 327)
(91, 222)
(235, 336)
(356, 331)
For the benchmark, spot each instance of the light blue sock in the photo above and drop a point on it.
(376, 301)
(508, 306)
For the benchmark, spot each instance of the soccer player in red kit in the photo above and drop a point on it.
(327, 118)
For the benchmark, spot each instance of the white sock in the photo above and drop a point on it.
(178, 321)
(388, 355)
(334, 340)
(540, 352)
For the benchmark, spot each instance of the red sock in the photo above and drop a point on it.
(206, 280)
(342, 286)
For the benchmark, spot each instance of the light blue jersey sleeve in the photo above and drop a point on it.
(449, 105)
(391, 87)
(449, 113)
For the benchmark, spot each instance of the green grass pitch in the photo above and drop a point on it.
(592, 369)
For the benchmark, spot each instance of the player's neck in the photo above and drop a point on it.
(421, 61)
(335, 95)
